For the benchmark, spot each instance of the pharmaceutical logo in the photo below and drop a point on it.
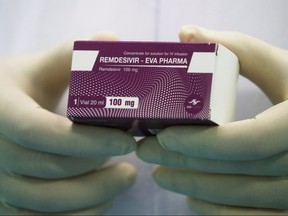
(194, 104)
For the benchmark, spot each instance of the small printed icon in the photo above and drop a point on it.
(194, 102)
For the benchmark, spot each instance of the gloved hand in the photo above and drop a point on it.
(47, 163)
(240, 167)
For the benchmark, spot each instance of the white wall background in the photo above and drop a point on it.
(35, 25)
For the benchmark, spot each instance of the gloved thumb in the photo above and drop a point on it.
(50, 72)
(262, 63)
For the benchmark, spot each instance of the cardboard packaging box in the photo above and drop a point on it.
(147, 86)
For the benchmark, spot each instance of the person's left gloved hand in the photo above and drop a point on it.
(48, 165)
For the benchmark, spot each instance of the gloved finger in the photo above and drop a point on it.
(70, 194)
(48, 74)
(23, 161)
(260, 62)
(151, 151)
(55, 65)
(232, 190)
(39, 129)
(6, 209)
(207, 208)
(257, 138)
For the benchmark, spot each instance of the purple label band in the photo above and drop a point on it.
(140, 80)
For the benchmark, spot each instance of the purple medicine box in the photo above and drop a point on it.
(147, 86)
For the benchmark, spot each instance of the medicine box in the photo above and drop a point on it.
(147, 86)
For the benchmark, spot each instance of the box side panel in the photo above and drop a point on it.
(224, 87)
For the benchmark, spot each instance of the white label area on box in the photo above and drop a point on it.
(122, 102)
(202, 62)
(83, 60)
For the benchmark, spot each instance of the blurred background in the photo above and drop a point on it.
(28, 26)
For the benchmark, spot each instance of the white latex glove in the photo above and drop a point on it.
(47, 163)
(241, 167)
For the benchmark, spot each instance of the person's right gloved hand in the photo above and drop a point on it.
(238, 168)
(47, 163)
